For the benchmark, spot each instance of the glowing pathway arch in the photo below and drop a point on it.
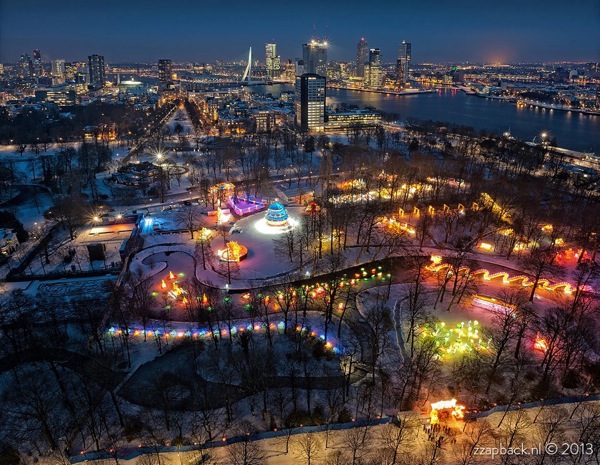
(525, 281)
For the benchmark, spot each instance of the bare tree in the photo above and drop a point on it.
(246, 452)
(308, 447)
(190, 218)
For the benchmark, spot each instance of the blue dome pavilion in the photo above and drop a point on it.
(276, 215)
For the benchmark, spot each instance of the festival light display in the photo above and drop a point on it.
(540, 343)
(455, 339)
(437, 266)
(398, 226)
(233, 252)
(276, 220)
(176, 292)
(277, 215)
(455, 410)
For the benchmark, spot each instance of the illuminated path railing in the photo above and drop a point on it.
(525, 281)
(222, 333)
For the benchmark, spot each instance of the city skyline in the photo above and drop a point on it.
(544, 31)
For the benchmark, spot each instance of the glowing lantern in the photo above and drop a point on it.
(171, 275)
(457, 411)
(540, 343)
(163, 284)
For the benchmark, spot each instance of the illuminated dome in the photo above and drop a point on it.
(277, 215)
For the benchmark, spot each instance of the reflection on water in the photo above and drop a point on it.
(572, 130)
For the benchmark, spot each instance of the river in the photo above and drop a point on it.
(572, 130)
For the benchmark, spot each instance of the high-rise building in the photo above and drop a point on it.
(165, 72)
(96, 71)
(37, 70)
(272, 61)
(362, 53)
(25, 66)
(403, 62)
(310, 102)
(58, 72)
(314, 56)
(374, 75)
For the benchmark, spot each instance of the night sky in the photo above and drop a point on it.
(203, 31)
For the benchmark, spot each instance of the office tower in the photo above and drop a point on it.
(165, 72)
(58, 72)
(314, 56)
(25, 66)
(289, 71)
(96, 71)
(362, 52)
(403, 62)
(374, 75)
(310, 102)
(272, 61)
(37, 70)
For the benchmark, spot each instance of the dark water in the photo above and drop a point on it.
(573, 131)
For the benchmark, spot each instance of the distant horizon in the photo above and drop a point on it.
(390, 63)
(536, 31)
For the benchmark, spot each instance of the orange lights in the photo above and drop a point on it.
(438, 409)
(540, 343)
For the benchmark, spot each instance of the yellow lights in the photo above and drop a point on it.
(233, 252)
(436, 259)
(443, 404)
(205, 233)
(436, 266)
(486, 246)
(96, 219)
(540, 343)
(437, 409)
(547, 228)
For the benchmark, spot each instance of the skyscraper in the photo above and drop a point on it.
(272, 61)
(58, 72)
(96, 71)
(403, 62)
(165, 72)
(362, 52)
(374, 73)
(25, 66)
(314, 56)
(310, 102)
(37, 70)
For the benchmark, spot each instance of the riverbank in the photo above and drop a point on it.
(385, 92)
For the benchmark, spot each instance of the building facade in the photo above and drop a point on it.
(58, 72)
(165, 72)
(310, 102)
(38, 70)
(272, 61)
(96, 71)
(374, 75)
(403, 63)
(314, 57)
(362, 55)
